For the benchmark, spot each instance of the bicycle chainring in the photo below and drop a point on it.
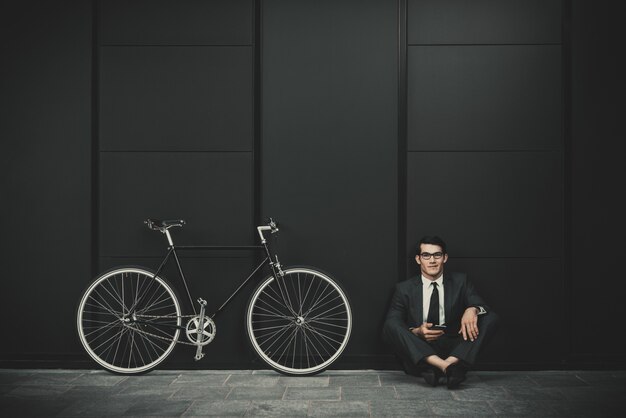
(207, 334)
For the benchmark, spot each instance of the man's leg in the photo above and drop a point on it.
(418, 357)
(409, 347)
(463, 353)
(466, 350)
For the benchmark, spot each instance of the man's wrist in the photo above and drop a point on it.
(479, 309)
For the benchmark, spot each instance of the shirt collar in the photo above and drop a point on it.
(427, 282)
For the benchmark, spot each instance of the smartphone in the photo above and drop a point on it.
(438, 328)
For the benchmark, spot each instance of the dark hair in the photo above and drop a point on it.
(431, 239)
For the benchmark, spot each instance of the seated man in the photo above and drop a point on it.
(435, 299)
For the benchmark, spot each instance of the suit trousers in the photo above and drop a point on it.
(412, 350)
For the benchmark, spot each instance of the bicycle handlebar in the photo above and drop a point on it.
(272, 224)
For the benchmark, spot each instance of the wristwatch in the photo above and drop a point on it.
(480, 309)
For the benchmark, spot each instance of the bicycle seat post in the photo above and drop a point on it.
(169, 237)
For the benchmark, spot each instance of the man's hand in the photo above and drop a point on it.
(469, 324)
(424, 332)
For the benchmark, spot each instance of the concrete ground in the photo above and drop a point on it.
(358, 393)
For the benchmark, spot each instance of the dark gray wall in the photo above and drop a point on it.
(359, 125)
(176, 140)
(329, 153)
(45, 184)
(485, 152)
(597, 169)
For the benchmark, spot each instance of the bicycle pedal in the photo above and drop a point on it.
(198, 356)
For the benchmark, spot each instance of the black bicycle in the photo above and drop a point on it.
(129, 319)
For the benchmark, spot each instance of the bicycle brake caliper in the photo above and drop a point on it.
(278, 267)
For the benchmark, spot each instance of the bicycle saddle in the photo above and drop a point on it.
(158, 224)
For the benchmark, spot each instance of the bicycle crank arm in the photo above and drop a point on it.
(199, 353)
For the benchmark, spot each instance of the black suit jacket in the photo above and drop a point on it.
(406, 305)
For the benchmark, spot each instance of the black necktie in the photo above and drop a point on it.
(433, 310)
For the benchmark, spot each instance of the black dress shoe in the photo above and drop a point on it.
(455, 374)
(431, 376)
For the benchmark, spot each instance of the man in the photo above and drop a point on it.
(437, 300)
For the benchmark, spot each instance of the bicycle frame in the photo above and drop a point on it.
(275, 266)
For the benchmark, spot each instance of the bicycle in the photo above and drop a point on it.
(129, 319)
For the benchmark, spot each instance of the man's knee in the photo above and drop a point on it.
(491, 319)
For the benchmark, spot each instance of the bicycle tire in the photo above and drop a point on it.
(118, 320)
(300, 323)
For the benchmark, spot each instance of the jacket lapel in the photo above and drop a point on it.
(415, 300)
(447, 297)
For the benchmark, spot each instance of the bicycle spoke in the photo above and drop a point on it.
(132, 345)
(313, 332)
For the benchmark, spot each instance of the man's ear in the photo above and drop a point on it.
(417, 259)
(445, 258)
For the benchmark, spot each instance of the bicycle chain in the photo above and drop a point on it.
(160, 337)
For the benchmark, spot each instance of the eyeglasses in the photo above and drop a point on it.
(426, 256)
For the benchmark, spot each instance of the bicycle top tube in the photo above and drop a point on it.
(163, 226)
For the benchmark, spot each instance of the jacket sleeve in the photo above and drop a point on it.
(472, 298)
(397, 314)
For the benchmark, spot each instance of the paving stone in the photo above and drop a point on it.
(399, 408)
(354, 380)
(50, 378)
(99, 408)
(217, 371)
(389, 379)
(332, 393)
(502, 379)
(158, 408)
(300, 393)
(148, 391)
(277, 409)
(259, 394)
(202, 393)
(556, 379)
(303, 381)
(98, 379)
(252, 380)
(265, 372)
(533, 393)
(217, 408)
(90, 393)
(424, 393)
(339, 409)
(599, 394)
(217, 379)
(521, 408)
(359, 372)
(460, 408)
(366, 393)
(150, 380)
(602, 378)
(37, 392)
(584, 408)
(13, 407)
(13, 377)
(480, 394)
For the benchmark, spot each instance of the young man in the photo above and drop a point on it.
(434, 299)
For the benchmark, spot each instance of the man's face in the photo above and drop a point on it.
(431, 260)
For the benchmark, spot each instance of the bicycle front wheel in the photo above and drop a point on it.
(299, 323)
(128, 320)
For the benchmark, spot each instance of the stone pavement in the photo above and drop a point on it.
(334, 393)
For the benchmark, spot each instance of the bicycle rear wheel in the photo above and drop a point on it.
(128, 320)
(299, 323)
